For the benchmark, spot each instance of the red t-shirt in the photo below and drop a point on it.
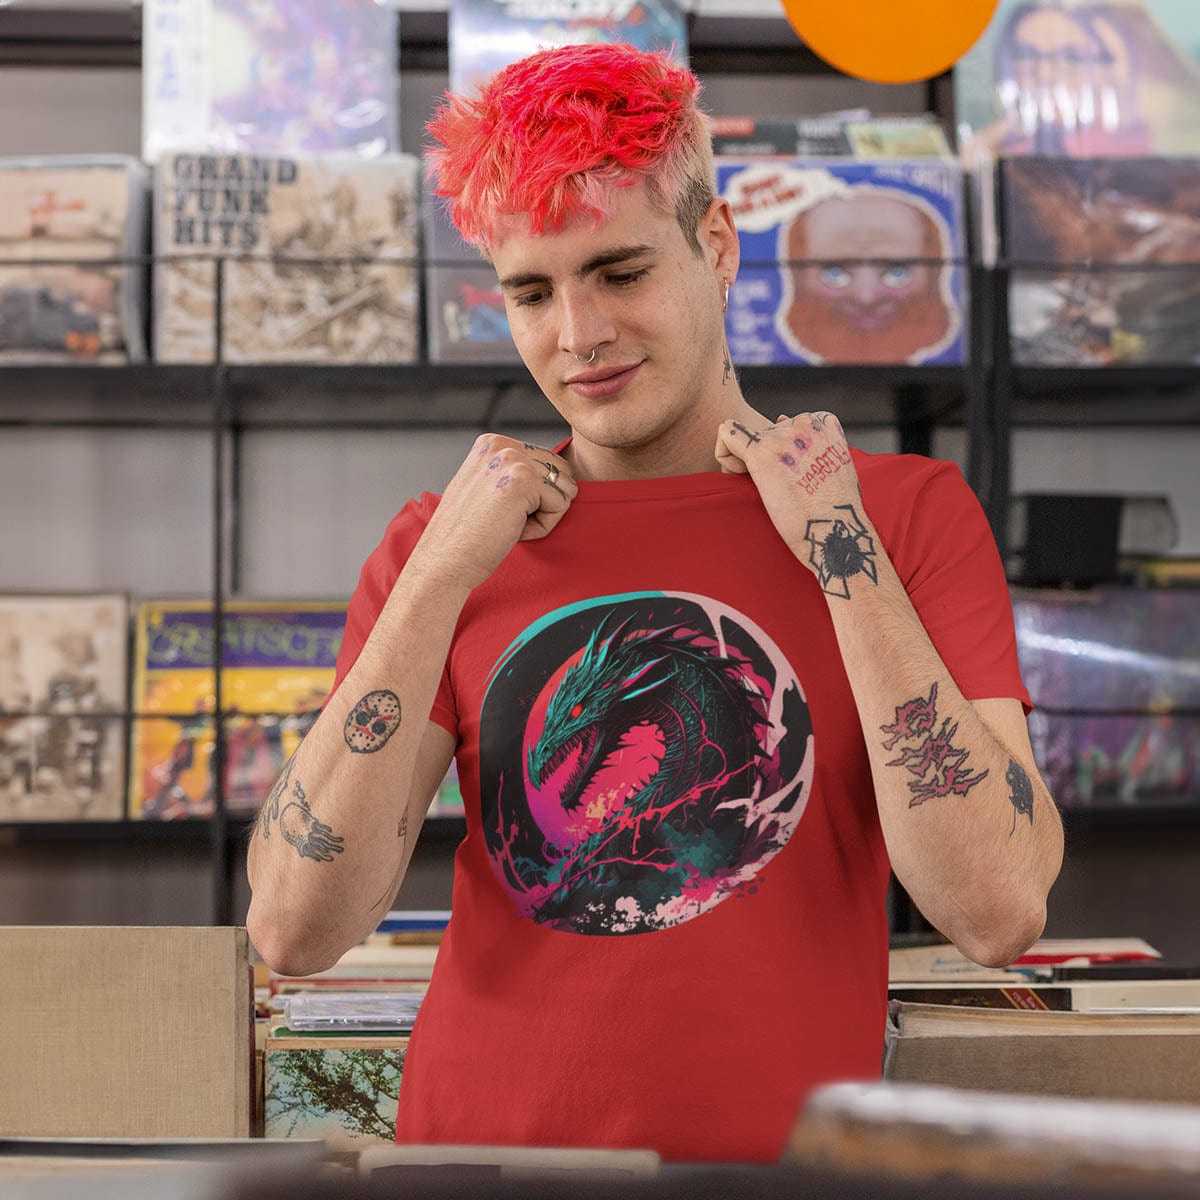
(669, 909)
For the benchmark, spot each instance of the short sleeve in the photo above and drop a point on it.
(375, 582)
(946, 556)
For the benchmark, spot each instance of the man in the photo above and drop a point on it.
(700, 686)
(876, 292)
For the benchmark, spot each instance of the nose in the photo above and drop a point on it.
(866, 286)
(583, 322)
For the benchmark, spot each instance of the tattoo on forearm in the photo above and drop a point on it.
(749, 434)
(394, 886)
(372, 721)
(1021, 793)
(840, 549)
(928, 752)
(299, 827)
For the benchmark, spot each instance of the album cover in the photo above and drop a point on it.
(1084, 78)
(485, 35)
(63, 687)
(1114, 674)
(320, 258)
(465, 318)
(66, 222)
(278, 664)
(1105, 260)
(852, 134)
(274, 77)
(846, 261)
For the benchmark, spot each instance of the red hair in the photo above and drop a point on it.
(548, 139)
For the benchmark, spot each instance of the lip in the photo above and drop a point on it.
(602, 382)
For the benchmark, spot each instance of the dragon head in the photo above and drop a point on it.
(612, 670)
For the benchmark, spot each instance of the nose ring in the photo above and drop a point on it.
(585, 361)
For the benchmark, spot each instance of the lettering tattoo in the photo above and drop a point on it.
(928, 752)
(749, 434)
(372, 721)
(824, 466)
(299, 827)
(1021, 793)
(840, 549)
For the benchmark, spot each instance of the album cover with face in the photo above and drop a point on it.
(73, 230)
(846, 262)
(319, 259)
(485, 35)
(1104, 260)
(271, 77)
(63, 694)
(277, 666)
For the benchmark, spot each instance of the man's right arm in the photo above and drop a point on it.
(335, 836)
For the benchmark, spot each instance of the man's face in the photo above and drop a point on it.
(867, 296)
(634, 291)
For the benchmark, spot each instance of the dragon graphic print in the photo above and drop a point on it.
(642, 758)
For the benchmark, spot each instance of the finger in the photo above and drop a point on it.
(728, 456)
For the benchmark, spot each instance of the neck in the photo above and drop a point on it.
(686, 448)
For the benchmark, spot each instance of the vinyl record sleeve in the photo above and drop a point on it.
(277, 667)
(66, 224)
(63, 689)
(319, 258)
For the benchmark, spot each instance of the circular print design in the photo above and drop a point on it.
(642, 758)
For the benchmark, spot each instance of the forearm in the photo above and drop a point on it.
(971, 831)
(334, 838)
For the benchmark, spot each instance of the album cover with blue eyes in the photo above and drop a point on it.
(847, 262)
(485, 35)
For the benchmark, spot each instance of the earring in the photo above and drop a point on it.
(725, 301)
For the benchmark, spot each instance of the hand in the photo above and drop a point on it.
(804, 473)
(504, 493)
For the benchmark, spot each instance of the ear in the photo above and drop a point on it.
(719, 239)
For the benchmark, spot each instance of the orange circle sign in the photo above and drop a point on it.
(890, 41)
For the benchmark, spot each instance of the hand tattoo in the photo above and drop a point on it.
(939, 765)
(841, 549)
(372, 722)
(749, 434)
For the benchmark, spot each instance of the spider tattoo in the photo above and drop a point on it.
(841, 548)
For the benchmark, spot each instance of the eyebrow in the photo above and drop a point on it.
(607, 258)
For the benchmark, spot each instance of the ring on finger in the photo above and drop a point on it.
(551, 474)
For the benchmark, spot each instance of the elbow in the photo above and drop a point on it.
(1002, 940)
(287, 949)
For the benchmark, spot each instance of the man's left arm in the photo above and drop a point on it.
(971, 830)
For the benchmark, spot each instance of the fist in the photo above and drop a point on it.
(504, 493)
(806, 478)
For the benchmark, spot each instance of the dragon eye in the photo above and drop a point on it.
(577, 711)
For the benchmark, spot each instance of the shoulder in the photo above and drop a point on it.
(906, 481)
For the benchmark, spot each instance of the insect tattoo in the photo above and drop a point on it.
(300, 828)
(748, 434)
(928, 752)
(840, 549)
(372, 722)
(1021, 793)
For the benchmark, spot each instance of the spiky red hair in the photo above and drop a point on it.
(548, 138)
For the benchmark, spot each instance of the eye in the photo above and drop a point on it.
(577, 712)
(625, 278)
(897, 276)
(835, 277)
